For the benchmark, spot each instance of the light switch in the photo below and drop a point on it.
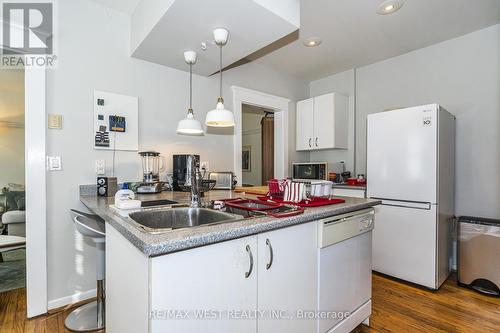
(54, 163)
(100, 167)
(55, 121)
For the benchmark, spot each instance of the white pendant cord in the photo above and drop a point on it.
(190, 88)
(220, 71)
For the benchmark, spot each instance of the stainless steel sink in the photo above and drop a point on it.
(161, 220)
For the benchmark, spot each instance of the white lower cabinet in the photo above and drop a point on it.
(273, 282)
(349, 192)
(207, 289)
(253, 284)
(287, 278)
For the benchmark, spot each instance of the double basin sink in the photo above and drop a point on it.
(167, 219)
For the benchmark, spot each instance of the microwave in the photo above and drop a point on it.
(310, 171)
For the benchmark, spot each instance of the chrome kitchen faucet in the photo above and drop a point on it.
(193, 179)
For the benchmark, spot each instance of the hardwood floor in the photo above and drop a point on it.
(397, 307)
(400, 307)
(13, 316)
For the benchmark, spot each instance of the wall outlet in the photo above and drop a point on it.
(205, 166)
(100, 167)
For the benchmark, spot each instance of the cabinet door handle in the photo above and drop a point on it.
(310, 139)
(271, 254)
(250, 255)
(316, 141)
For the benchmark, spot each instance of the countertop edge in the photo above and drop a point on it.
(213, 235)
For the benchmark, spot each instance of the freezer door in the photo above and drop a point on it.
(404, 242)
(402, 154)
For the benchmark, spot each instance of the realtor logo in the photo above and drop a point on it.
(27, 28)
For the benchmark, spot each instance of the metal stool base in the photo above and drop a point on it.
(83, 319)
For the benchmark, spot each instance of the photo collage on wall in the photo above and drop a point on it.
(115, 121)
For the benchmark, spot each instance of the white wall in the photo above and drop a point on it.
(252, 136)
(342, 83)
(11, 155)
(94, 53)
(463, 75)
(11, 126)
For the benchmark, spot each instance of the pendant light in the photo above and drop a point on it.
(189, 125)
(220, 116)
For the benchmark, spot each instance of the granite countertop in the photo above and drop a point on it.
(182, 239)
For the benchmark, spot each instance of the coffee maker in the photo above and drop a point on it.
(180, 168)
(150, 172)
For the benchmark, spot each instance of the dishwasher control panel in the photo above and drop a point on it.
(338, 228)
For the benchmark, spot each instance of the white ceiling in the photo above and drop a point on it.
(354, 35)
(126, 6)
(185, 24)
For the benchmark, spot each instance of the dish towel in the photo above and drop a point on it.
(277, 186)
(294, 192)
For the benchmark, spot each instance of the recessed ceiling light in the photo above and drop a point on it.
(312, 41)
(389, 7)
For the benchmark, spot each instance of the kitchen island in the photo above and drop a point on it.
(259, 274)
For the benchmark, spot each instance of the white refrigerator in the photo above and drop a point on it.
(411, 168)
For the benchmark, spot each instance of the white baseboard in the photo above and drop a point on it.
(71, 299)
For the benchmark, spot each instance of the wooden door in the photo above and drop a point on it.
(267, 124)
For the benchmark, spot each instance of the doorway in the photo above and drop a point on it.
(257, 155)
(279, 107)
(12, 180)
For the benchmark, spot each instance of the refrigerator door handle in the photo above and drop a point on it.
(405, 204)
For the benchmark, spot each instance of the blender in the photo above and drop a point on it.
(151, 172)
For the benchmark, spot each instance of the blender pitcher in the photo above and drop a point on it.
(151, 166)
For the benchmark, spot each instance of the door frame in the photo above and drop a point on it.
(280, 106)
(35, 183)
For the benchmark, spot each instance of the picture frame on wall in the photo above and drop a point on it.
(116, 121)
(246, 158)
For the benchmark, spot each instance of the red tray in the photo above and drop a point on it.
(313, 202)
(246, 204)
(267, 207)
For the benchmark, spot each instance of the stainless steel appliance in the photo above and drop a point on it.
(345, 254)
(478, 249)
(225, 180)
(180, 164)
(411, 168)
(310, 171)
(151, 172)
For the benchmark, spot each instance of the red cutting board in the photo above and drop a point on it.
(313, 202)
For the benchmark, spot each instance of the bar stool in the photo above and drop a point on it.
(91, 316)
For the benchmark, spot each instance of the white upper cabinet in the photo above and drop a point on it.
(322, 122)
(305, 126)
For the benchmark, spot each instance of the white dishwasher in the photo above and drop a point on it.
(345, 264)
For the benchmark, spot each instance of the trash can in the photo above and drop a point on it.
(478, 254)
